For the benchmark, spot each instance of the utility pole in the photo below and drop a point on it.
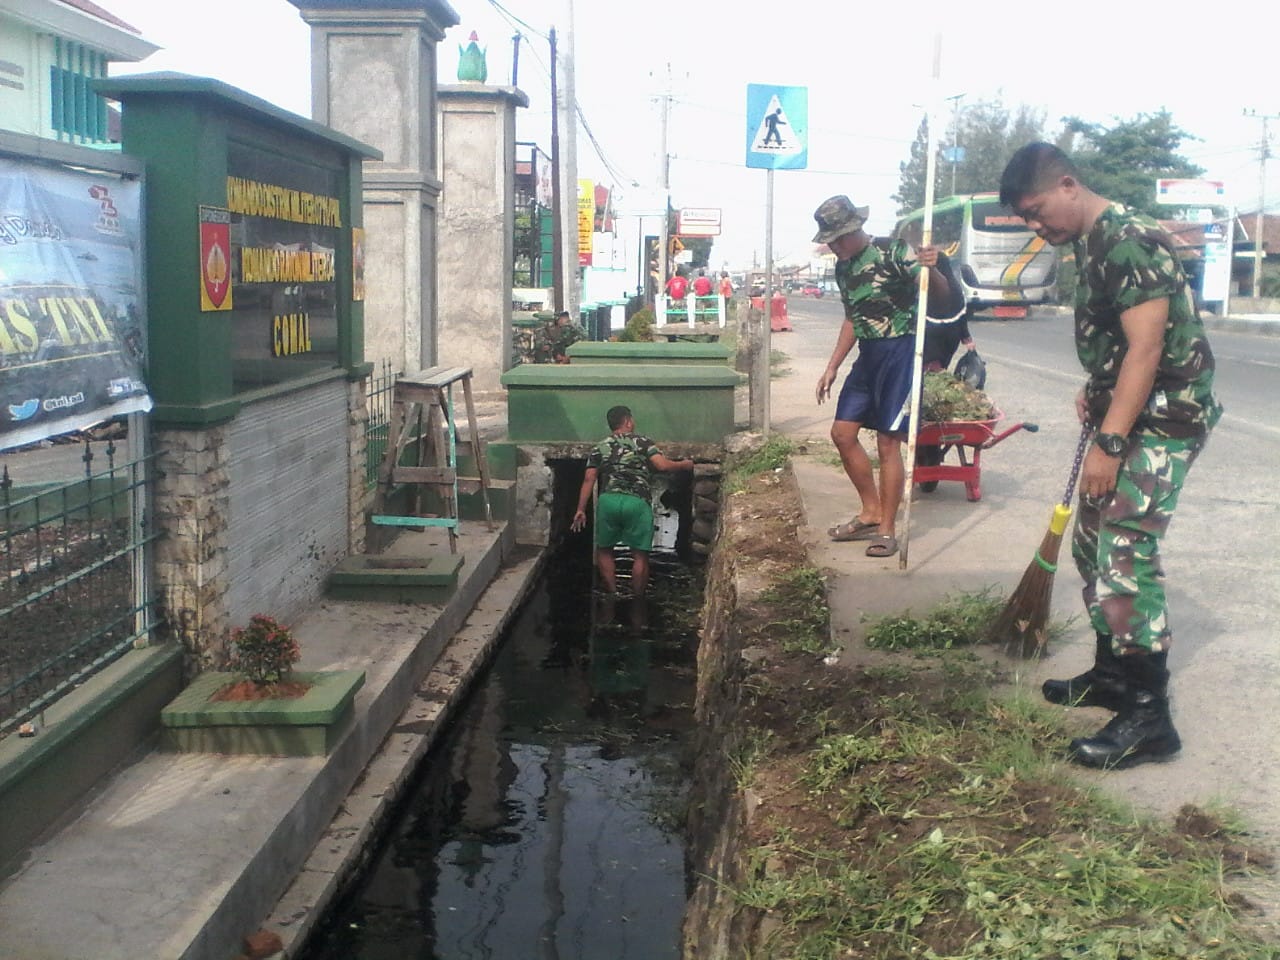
(557, 233)
(1264, 152)
(664, 100)
(571, 281)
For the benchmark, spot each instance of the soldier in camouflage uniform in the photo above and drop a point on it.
(879, 287)
(624, 512)
(552, 340)
(1150, 395)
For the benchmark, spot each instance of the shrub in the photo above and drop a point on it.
(639, 327)
(264, 651)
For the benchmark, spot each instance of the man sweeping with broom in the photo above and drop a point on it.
(1149, 394)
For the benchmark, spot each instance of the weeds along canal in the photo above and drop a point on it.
(549, 820)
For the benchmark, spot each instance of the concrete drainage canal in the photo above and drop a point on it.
(549, 821)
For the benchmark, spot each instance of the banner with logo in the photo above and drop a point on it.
(71, 334)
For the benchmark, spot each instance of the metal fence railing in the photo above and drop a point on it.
(379, 391)
(75, 589)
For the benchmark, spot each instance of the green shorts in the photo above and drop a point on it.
(622, 518)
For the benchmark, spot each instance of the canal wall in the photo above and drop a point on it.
(720, 811)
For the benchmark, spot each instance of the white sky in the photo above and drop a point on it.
(866, 67)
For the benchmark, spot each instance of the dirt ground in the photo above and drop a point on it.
(864, 839)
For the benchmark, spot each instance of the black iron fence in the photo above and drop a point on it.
(379, 391)
(75, 589)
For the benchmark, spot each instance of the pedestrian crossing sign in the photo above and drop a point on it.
(777, 127)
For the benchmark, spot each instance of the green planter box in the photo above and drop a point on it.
(307, 726)
(660, 351)
(557, 403)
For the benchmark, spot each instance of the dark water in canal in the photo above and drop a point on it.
(548, 823)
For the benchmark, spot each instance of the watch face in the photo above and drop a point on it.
(1111, 443)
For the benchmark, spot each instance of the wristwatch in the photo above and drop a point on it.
(1112, 444)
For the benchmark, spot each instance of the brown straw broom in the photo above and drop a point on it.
(1020, 627)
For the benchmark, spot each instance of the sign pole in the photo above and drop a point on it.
(777, 137)
(762, 335)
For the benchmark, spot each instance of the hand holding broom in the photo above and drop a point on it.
(1020, 627)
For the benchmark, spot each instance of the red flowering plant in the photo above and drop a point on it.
(264, 651)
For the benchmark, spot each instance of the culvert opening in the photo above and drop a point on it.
(549, 820)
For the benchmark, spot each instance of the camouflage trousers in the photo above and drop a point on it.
(1116, 544)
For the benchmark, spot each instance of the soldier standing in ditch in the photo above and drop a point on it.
(1149, 393)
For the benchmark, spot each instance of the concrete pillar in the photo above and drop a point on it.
(373, 77)
(477, 149)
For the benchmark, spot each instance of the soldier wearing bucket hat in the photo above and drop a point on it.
(837, 217)
(879, 284)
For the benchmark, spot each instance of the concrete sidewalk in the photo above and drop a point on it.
(178, 857)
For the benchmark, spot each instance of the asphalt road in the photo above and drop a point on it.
(1219, 555)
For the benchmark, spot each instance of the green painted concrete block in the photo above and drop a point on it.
(557, 403)
(394, 579)
(310, 725)
(661, 351)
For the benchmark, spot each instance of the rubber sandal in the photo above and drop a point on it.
(883, 547)
(854, 529)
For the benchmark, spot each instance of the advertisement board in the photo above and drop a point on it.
(586, 220)
(71, 324)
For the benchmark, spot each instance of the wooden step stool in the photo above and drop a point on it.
(422, 413)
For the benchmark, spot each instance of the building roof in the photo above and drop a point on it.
(1270, 228)
(96, 11)
(81, 21)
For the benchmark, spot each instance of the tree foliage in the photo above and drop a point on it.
(1120, 162)
(1123, 162)
(988, 133)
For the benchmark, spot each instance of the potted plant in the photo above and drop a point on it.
(260, 705)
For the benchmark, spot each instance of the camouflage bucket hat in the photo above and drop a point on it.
(837, 216)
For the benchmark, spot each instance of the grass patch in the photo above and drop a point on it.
(952, 833)
(962, 619)
(799, 601)
(772, 455)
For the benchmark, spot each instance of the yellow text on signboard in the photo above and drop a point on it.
(73, 321)
(290, 334)
(263, 265)
(255, 199)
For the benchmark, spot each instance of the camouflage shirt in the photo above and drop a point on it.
(1127, 259)
(879, 289)
(623, 462)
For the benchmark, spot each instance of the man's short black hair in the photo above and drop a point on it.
(617, 416)
(1032, 169)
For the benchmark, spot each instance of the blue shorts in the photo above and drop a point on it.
(877, 391)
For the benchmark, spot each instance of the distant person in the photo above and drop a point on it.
(948, 323)
(726, 286)
(677, 287)
(702, 285)
(1149, 393)
(552, 340)
(879, 288)
(624, 513)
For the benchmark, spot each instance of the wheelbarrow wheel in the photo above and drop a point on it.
(929, 456)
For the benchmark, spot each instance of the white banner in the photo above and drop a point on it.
(71, 325)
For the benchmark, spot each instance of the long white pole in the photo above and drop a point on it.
(922, 302)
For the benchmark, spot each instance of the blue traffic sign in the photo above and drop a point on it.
(777, 127)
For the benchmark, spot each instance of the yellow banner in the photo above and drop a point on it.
(586, 219)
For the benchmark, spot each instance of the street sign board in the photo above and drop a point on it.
(1191, 193)
(777, 127)
(698, 222)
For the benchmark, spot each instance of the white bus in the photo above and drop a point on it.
(1003, 267)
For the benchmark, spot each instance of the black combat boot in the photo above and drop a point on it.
(1142, 730)
(1102, 685)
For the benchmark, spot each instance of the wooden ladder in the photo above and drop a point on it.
(422, 414)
